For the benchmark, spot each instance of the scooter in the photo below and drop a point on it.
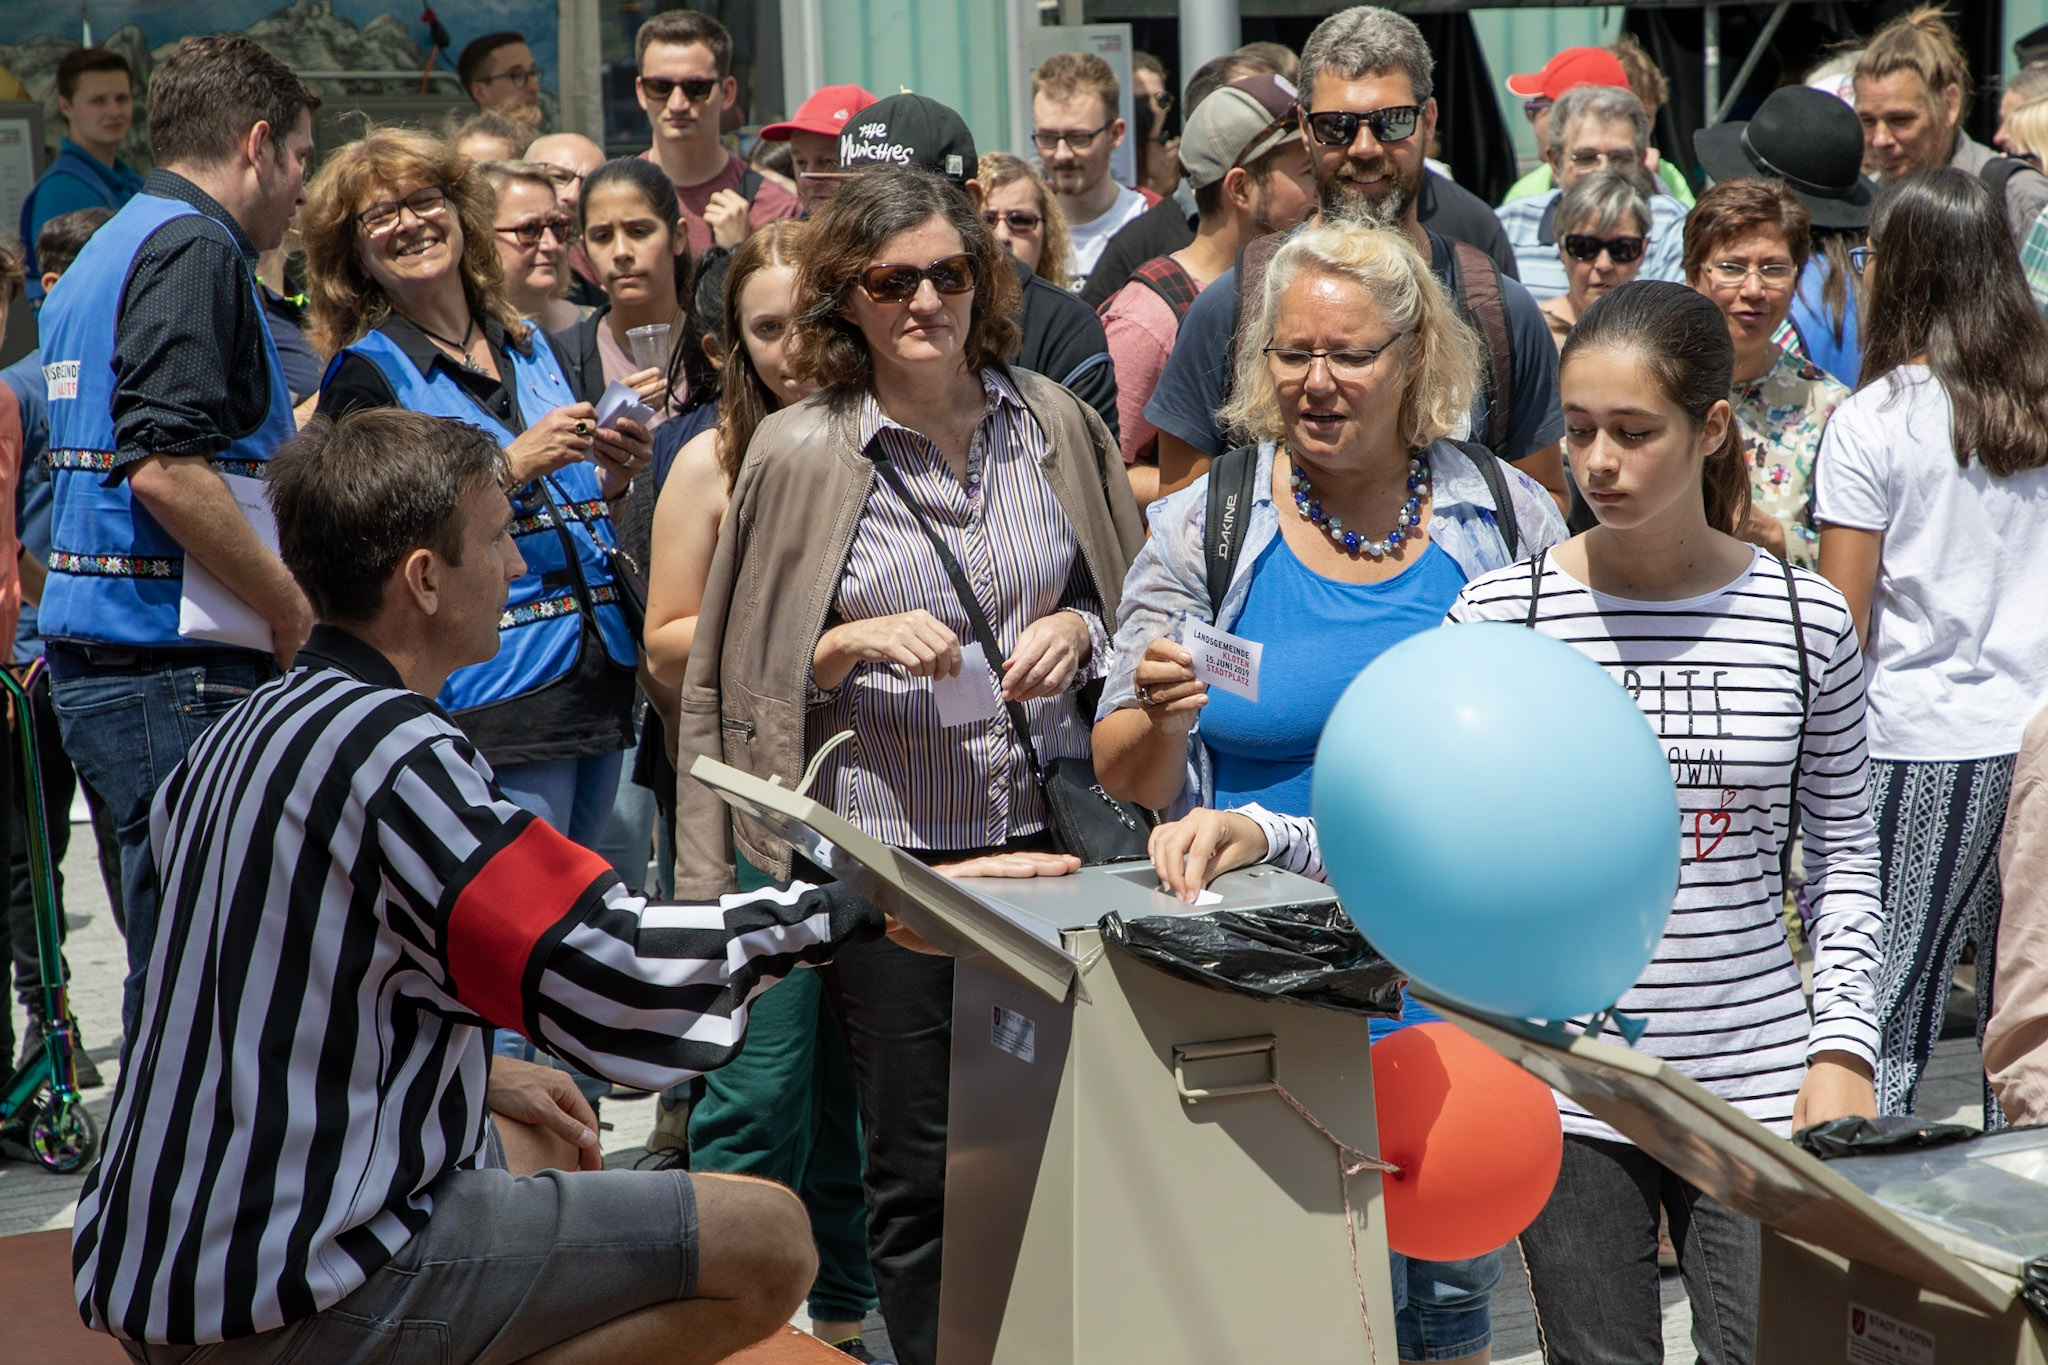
(43, 1118)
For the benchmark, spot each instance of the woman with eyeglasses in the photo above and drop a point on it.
(407, 294)
(1024, 216)
(829, 608)
(1603, 224)
(1933, 478)
(1364, 521)
(1745, 245)
(640, 249)
(534, 235)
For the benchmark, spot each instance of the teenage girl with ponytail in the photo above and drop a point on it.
(1750, 674)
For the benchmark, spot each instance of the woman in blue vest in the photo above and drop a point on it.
(406, 293)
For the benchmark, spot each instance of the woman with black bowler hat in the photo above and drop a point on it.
(1812, 142)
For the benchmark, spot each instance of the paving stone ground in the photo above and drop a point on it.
(32, 1200)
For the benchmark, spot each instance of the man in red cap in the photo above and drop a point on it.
(1538, 90)
(812, 133)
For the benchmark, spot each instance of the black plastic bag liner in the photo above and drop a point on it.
(1310, 957)
(1866, 1137)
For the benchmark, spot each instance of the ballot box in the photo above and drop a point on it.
(1903, 1258)
(1125, 1184)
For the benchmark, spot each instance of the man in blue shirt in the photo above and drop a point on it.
(1592, 128)
(1373, 72)
(96, 95)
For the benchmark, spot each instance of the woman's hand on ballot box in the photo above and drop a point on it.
(1201, 846)
(990, 865)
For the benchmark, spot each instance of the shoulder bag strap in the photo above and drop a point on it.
(1479, 293)
(1805, 715)
(1535, 586)
(1497, 485)
(977, 621)
(1231, 477)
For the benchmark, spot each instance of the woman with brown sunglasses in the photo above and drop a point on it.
(829, 609)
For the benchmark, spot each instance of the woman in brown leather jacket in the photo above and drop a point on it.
(829, 610)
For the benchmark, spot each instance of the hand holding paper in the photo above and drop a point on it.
(1225, 660)
(621, 401)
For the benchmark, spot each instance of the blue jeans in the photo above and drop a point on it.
(1443, 1309)
(128, 718)
(575, 796)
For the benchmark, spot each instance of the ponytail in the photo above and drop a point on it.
(1682, 340)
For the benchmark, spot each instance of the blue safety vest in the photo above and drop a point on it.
(115, 573)
(114, 186)
(559, 522)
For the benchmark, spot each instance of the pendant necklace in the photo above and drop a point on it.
(1351, 542)
(461, 347)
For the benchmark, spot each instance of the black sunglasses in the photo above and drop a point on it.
(1584, 246)
(1020, 220)
(1338, 127)
(887, 283)
(696, 89)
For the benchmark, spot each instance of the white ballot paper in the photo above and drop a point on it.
(207, 608)
(970, 695)
(1225, 660)
(621, 400)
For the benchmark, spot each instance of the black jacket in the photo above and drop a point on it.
(1064, 341)
(1159, 231)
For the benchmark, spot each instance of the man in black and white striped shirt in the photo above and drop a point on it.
(292, 1166)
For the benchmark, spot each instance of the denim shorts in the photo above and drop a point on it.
(1441, 1308)
(505, 1267)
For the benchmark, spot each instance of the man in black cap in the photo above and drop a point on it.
(1063, 339)
(1814, 143)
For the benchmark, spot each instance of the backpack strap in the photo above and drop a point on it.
(1170, 280)
(1497, 485)
(1535, 586)
(1475, 285)
(1805, 717)
(1998, 172)
(1252, 259)
(1231, 476)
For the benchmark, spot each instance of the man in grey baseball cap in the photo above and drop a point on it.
(1242, 154)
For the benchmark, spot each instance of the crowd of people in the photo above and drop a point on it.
(577, 468)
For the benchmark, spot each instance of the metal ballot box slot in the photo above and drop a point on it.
(1123, 1184)
(1904, 1258)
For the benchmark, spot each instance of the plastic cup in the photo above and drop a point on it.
(650, 345)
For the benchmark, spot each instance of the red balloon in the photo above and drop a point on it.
(1476, 1137)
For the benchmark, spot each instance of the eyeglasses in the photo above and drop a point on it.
(529, 234)
(1293, 363)
(518, 75)
(1020, 220)
(1584, 246)
(1534, 109)
(1080, 140)
(429, 202)
(1860, 258)
(696, 89)
(888, 283)
(1730, 274)
(563, 176)
(1338, 127)
(1587, 160)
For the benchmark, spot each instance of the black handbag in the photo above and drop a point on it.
(1086, 820)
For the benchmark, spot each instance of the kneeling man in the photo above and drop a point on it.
(299, 1163)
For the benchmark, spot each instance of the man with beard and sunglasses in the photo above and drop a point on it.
(1242, 155)
(1367, 115)
(1593, 128)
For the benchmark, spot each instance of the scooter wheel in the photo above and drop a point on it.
(63, 1137)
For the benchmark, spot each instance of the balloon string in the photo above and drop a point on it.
(1350, 1161)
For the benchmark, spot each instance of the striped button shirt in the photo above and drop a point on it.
(348, 904)
(904, 778)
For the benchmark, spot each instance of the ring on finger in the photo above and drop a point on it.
(582, 427)
(1145, 696)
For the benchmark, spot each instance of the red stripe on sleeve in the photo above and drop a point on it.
(524, 890)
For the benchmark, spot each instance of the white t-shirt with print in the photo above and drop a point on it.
(1959, 622)
(1090, 237)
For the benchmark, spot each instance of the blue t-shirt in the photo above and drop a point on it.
(1815, 322)
(1191, 386)
(1318, 633)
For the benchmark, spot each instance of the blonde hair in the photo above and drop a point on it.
(344, 304)
(1922, 42)
(1441, 353)
(2027, 128)
(998, 169)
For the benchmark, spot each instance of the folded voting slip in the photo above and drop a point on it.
(621, 400)
(207, 608)
(945, 913)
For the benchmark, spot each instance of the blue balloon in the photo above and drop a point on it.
(1499, 820)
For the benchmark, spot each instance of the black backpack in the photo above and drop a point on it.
(1231, 478)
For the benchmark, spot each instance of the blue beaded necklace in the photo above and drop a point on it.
(1405, 525)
